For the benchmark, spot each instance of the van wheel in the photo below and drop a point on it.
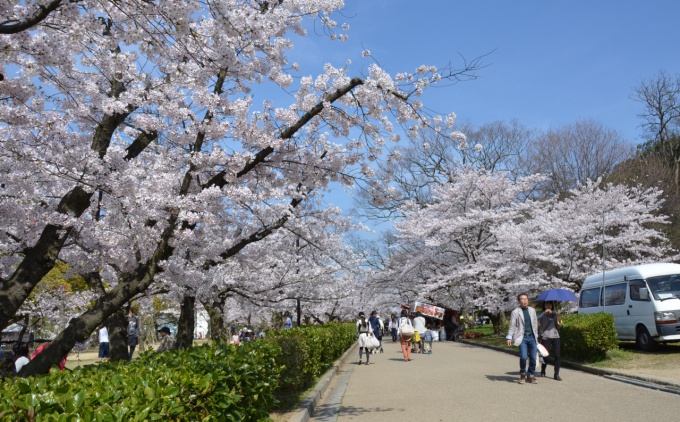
(644, 340)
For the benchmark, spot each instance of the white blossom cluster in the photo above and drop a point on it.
(485, 239)
(132, 146)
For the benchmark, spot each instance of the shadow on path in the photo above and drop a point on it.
(508, 377)
(349, 411)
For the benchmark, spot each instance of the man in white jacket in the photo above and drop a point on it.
(525, 336)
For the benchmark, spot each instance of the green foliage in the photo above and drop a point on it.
(60, 276)
(487, 330)
(306, 353)
(666, 150)
(588, 337)
(207, 383)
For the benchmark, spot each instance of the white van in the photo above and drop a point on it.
(645, 302)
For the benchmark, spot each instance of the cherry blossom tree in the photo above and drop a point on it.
(561, 244)
(484, 240)
(134, 150)
(443, 245)
(309, 262)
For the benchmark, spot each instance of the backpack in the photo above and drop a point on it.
(132, 328)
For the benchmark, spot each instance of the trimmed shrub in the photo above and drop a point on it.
(220, 382)
(588, 337)
(208, 383)
(306, 353)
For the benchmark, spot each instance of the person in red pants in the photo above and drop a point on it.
(405, 335)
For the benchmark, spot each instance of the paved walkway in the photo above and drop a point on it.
(461, 382)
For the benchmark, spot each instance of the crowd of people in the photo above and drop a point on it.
(245, 335)
(415, 335)
(526, 330)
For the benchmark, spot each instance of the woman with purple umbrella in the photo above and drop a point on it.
(557, 295)
(548, 322)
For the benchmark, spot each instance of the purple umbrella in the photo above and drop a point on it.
(557, 295)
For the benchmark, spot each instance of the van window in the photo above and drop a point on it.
(590, 298)
(665, 286)
(615, 295)
(635, 286)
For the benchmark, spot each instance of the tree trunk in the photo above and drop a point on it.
(218, 327)
(117, 326)
(80, 328)
(186, 323)
(498, 321)
(676, 177)
(39, 259)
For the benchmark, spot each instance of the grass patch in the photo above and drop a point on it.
(625, 357)
(615, 359)
(628, 357)
(491, 339)
(487, 330)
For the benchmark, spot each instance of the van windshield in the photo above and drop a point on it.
(665, 286)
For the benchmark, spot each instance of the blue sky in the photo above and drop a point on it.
(550, 62)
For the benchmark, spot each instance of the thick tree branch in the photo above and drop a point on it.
(219, 179)
(40, 258)
(131, 284)
(14, 27)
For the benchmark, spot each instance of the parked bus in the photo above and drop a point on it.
(644, 299)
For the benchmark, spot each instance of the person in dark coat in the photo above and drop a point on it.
(377, 327)
(132, 332)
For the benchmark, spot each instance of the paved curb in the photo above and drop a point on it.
(306, 408)
(584, 368)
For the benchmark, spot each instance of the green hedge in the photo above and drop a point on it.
(588, 337)
(209, 383)
(206, 383)
(307, 352)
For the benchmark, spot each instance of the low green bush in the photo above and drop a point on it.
(208, 383)
(588, 337)
(220, 382)
(306, 353)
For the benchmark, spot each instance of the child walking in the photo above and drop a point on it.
(428, 337)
